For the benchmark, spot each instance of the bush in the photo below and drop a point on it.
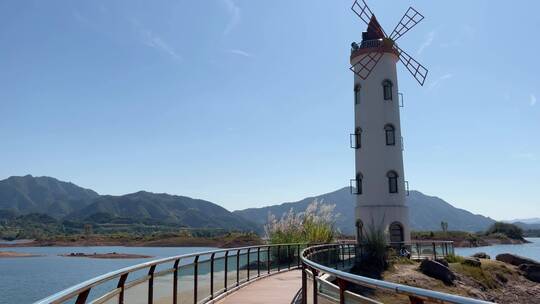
(510, 230)
(315, 225)
(376, 245)
(452, 258)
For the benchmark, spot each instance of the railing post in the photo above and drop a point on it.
(269, 261)
(195, 278)
(278, 258)
(238, 267)
(258, 261)
(298, 257)
(342, 248)
(212, 275)
(151, 284)
(418, 250)
(289, 256)
(121, 284)
(342, 286)
(314, 272)
(226, 268)
(248, 252)
(434, 251)
(175, 281)
(81, 298)
(304, 284)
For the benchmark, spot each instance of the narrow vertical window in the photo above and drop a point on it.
(392, 182)
(358, 138)
(390, 134)
(357, 94)
(387, 90)
(359, 178)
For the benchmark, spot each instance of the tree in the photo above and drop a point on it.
(444, 226)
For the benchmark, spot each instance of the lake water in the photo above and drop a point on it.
(530, 250)
(24, 280)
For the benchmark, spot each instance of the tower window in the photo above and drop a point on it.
(387, 89)
(357, 94)
(392, 182)
(359, 178)
(358, 138)
(390, 134)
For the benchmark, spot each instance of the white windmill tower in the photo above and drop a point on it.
(379, 185)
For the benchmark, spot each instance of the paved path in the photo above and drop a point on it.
(276, 289)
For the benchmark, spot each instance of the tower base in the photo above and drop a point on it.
(393, 220)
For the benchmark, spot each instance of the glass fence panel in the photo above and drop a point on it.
(136, 294)
(163, 289)
(309, 287)
(185, 284)
(112, 300)
(327, 293)
(231, 269)
(203, 279)
(243, 265)
(219, 275)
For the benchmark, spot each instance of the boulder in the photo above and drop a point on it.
(442, 261)
(481, 255)
(515, 260)
(438, 271)
(474, 262)
(531, 272)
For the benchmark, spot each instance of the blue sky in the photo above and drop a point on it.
(249, 103)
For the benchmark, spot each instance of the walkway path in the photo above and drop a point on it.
(276, 289)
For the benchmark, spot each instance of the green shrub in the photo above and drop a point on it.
(376, 245)
(452, 258)
(510, 230)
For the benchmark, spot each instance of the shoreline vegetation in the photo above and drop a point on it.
(229, 240)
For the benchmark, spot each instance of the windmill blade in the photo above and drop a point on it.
(367, 63)
(417, 70)
(411, 18)
(361, 9)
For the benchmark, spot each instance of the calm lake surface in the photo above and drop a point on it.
(531, 250)
(25, 280)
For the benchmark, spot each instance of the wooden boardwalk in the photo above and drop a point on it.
(276, 289)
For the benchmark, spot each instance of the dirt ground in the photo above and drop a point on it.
(494, 281)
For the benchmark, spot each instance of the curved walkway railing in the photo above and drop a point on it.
(324, 279)
(191, 278)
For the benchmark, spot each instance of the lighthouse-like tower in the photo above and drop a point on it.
(380, 185)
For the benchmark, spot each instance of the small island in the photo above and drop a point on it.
(13, 254)
(110, 255)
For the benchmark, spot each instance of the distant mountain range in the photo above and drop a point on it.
(67, 201)
(63, 200)
(426, 212)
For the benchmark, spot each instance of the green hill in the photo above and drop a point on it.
(426, 212)
(28, 194)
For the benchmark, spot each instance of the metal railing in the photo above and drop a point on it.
(325, 279)
(191, 278)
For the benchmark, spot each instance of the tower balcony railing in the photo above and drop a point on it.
(191, 278)
(353, 187)
(354, 140)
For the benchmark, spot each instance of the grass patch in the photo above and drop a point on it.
(452, 258)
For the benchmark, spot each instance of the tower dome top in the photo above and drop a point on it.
(374, 30)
